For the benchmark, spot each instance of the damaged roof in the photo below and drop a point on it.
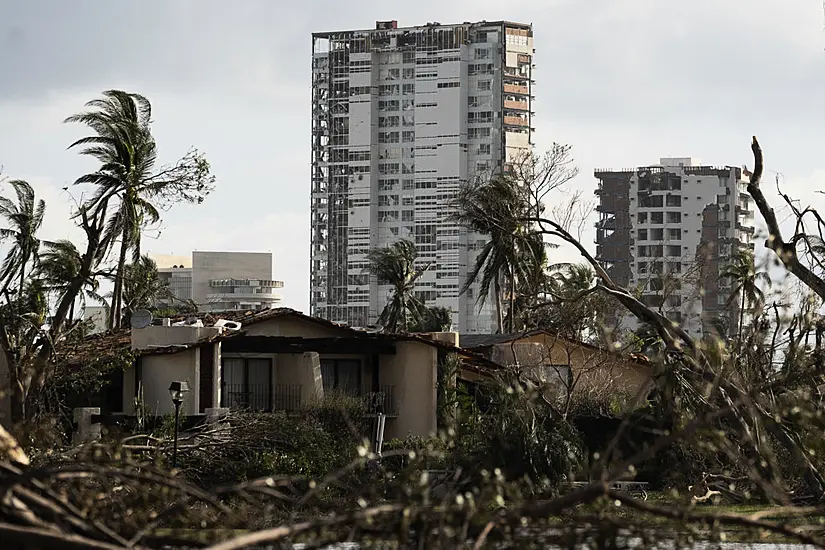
(110, 343)
(482, 341)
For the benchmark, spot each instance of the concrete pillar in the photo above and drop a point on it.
(85, 430)
(311, 377)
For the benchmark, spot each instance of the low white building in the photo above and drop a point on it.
(219, 281)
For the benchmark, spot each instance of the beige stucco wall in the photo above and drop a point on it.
(303, 369)
(595, 371)
(158, 371)
(413, 370)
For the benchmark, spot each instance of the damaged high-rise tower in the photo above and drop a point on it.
(401, 118)
(669, 232)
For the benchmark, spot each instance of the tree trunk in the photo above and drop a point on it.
(511, 301)
(117, 293)
(741, 314)
(499, 306)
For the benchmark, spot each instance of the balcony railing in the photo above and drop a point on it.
(516, 89)
(255, 397)
(262, 397)
(382, 401)
(288, 397)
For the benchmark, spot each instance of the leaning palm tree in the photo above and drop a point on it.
(61, 263)
(24, 220)
(395, 266)
(124, 145)
(513, 256)
(746, 283)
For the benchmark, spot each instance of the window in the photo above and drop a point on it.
(674, 217)
(657, 234)
(408, 136)
(409, 73)
(674, 267)
(674, 200)
(484, 85)
(482, 53)
(483, 148)
(642, 217)
(388, 105)
(642, 234)
(478, 133)
(388, 89)
(657, 217)
(674, 233)
(408, 57)
(449, 84)
(408, 89)
(673, 250)
(642, 267)
(387, 121)
(483, 117)
(342, 375)
(406, 215)
(387, 137)
(246, 383)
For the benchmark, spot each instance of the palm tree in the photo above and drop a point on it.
(60, 264)
(142, 286)
(124, 145)
(24, 220)
(746, 283)
(513, 256)
(395, 266)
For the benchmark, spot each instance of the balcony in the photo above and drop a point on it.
(515, 121)
(516, 105)
(516, 89)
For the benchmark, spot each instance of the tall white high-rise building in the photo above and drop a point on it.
(669, 231)
(401, 118)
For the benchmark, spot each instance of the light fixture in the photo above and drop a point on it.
(178, 391)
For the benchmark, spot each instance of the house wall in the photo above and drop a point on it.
(157, 372)
(303, 369)
(413, 371)
(594, 370)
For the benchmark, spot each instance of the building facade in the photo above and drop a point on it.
(669, 231)
(401, 118)
(220, 281)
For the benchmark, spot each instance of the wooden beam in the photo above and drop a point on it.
(289, 344)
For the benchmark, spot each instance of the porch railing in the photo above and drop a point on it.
(382, 401)
(288, 397)
(262, 397)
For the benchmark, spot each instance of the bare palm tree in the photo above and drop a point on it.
(395, 266)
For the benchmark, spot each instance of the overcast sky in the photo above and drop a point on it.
(623, 81)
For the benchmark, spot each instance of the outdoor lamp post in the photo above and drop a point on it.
(178, 391)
